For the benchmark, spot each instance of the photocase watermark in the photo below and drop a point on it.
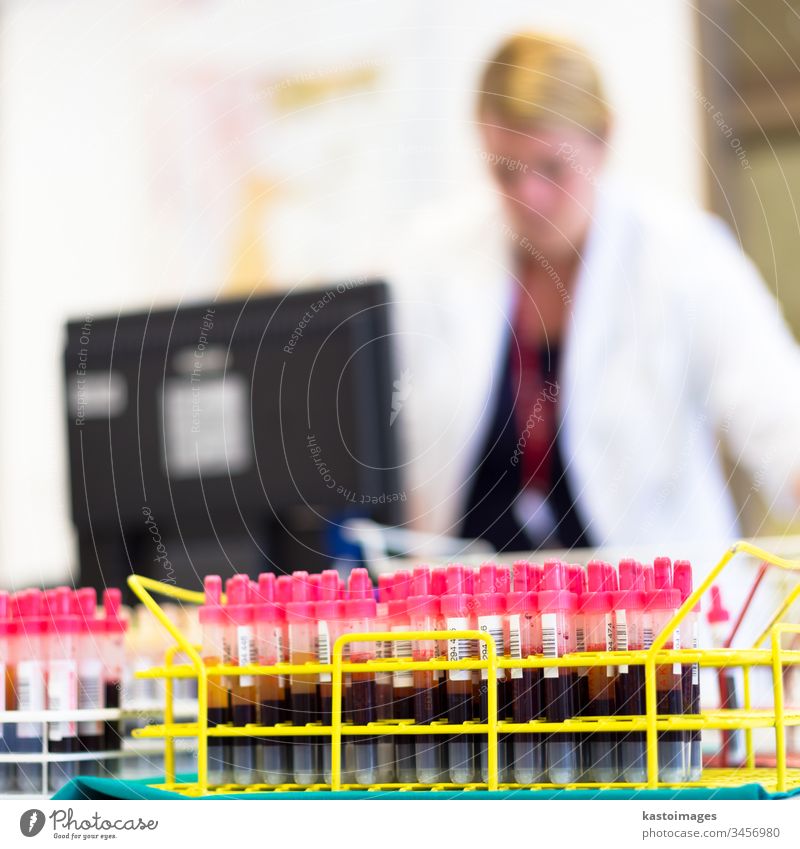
(724, 127)
(207, 325)
(527, 245)
(548, 395)
(80, 373)
(324, 471)
(161, 550)
(308, 316)
(570, 154)
(65, 825)
(401, 394)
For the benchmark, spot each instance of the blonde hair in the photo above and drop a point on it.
(542, 80)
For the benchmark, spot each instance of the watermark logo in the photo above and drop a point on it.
(402, 391)
(32, 822)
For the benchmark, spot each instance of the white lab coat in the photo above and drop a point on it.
(673, 340)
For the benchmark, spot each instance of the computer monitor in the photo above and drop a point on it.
(230, 436)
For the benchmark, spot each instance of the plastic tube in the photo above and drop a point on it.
(30, 653)
(598, 623)
(424, 610)
(360, 613)
(405, 766)
(213, 624)
(384, 689)
(62, 682)
(457, 607)
(682, 579)
(243, 697)
(524, 639)
(629, 604)
(662, 604)
(115, 627)
(269, 620)
(305, 702)
(576, 583)
(329, 611)
(7, 731)
(491, 607)
(91, 696)
(558, 607)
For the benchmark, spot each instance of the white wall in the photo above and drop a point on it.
(90, 223)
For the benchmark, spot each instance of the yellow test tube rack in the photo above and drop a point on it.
(781, 778)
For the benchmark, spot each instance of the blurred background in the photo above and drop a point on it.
(154, 153)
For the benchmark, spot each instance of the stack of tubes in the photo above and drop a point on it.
(58, 654)
(527, 609)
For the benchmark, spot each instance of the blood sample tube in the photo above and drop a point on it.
(662, 604)
(558, 607)
(457, 606)
(629, 604)
(524, 640)
(576, 583)
(329, 611)
(242, 688)
(439, 588)
(682, 579)
(62, 682)
(7, 738)
(30, 659)
(403, 680)
(115, 627)
(598, 625)
(490, 603)
(269, 619)
(424, 611)
(215, 652)
(91, 696)
(305, 702)
(360, 613)
(384, 688)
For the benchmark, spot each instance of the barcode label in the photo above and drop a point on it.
(402, 649)
(647, 636)
(30, 694)
(62, 694)
(550, 642)
(580, 637)
(621, 637)
(676, 644)
(515, 642)
(280, 655)
(246, 652)
(458, 650)
(90, 694)
(695, 666)
(609, 641)
(323, 649)
(493, 626)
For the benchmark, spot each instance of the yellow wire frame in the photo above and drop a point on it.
(656, 654)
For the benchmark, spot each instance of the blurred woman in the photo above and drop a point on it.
(571, 353)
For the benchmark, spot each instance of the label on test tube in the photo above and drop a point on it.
(90, 694)
(695, 666)
(550, 642)
(515, 642)
(277, 638)
(246, 652)
(647, 635)
(2, 693)
(458, 649)
(493, 626)
(610, 642)
(62, 694)
(621, 637)
(676, 644)
(401, 649)
(30, 694)
(323, 649)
